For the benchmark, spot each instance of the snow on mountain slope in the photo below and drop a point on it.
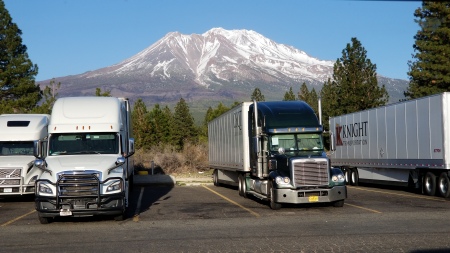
(218, 65)
(222, 54)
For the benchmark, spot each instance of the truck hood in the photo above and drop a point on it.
(16, 161)
(80, 163)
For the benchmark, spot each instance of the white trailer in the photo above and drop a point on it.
(274, 151)
(17, 135)
(86, 160)
(406, 143)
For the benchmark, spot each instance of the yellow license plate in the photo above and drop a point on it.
(313, 198)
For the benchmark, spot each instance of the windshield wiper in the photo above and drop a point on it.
(86, 152)
(59, 153)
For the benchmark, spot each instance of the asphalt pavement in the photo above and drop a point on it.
(169, 180)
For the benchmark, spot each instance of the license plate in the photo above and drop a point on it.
(7, 189)
(313, 198)
(65, 212)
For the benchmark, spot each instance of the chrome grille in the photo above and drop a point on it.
(10, 176)
(78, 185)
(310, 173)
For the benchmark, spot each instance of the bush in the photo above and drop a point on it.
(192, 159)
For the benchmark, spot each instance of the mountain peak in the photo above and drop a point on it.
(218, 65)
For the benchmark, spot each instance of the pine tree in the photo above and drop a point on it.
(50, 94)
(167, 122)
(160, 125)
(354, 85)
(139, 118)
(99, 93)
(330, 103)
(289, 95)
(184, 127)
(430, 72)
(18, 91)
(214, 113)
(303, 94)
(314, 100)
(257, 95)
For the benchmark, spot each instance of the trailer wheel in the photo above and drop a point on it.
(354, 177)
(429, 184)
(347, 174)
(444, 185)
(242, 186)
(273, 204)
(216, 178)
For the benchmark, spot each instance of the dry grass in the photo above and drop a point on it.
(166, 160)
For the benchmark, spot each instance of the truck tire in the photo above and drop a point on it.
(119, 217)
(242, 186)
(444, 185)
(216, 178)
(354, 177)
(347, 174)
(44, 220)
(339, 203)
(272, 203)
(429, 184)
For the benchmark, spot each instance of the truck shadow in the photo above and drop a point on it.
(23, 198)
(144, 197)
(141, 199)
(265, 203)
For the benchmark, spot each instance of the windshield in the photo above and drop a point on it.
(296, 142)
(16, 148)
(83, 143)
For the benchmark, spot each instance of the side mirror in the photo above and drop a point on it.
(120, 160)
(39, 163)
(130, 147)
(37, 149)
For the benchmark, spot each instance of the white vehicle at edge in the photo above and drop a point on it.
(87, 168)
(17, 134)
(404, 144)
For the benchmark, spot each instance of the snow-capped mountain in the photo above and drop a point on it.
(218, 65)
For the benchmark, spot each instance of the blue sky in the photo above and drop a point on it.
(69, 37)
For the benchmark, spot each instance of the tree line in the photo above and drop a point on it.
(352, 87)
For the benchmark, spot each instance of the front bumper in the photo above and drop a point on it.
(82, 206)
(80, 195)
(318, 195)
(14, 190)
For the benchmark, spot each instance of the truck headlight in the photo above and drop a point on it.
(339, 178)
(282, 180)
(116, 186)
(44, 188)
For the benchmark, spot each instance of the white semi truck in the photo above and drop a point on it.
(17, 135)
(86, 159)
(406, 143)
(274, 151)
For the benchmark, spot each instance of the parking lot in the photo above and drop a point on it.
(206, 218)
